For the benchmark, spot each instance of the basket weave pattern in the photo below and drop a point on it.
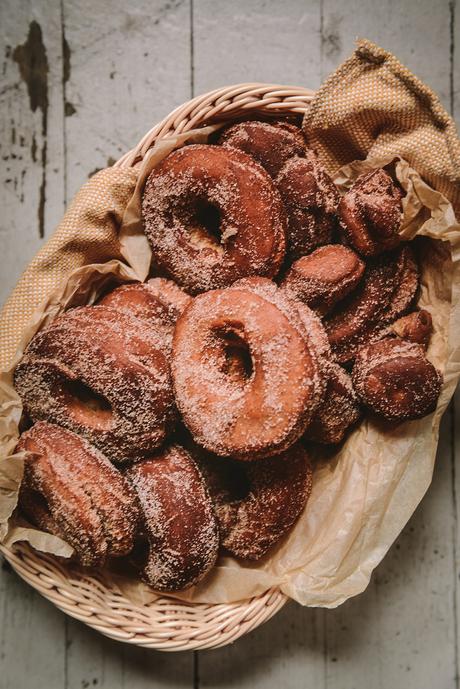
(166, 624)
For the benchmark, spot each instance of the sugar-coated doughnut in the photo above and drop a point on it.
(179, 525)
(324, 277)
(103, 374)
(71, 490)
(213, 215)
(385, 293)
(270, 143)
(260, 405)
(257, 502)
(158, 301)
(339, 410)
(311, 200)
(395, 380)
(370, 213)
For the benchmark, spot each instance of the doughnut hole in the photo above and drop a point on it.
(236, 355)
(86, 406)
(205, 225)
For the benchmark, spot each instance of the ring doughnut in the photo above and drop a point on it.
(71, 490)
(370, 213)
(179, 524)
(311, 200)
(257, 502)
(324, 277)
(213, 215)
(394, 379)
(103, 374)
(268, 405)
(271, 144)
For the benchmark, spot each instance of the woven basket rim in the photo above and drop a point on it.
(167, 624)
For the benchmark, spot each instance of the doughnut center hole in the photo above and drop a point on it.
(205, 225)
(87, 406)
(237, 355)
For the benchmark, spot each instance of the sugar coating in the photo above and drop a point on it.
(339, 410)
(370, 213)
(387, 290)
(118, 357)
(270, 143)
(256, 502)
(324, 277)
(395, 380)
(251, 218)
(311, 200)
(178, 519)
(255, 416)
(72, 490)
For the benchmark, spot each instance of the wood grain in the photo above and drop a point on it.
(108, 74)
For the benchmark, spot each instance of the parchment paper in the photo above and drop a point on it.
(364, 495)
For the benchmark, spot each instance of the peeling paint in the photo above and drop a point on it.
(32, 61)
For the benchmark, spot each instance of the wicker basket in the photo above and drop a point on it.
(166, 624)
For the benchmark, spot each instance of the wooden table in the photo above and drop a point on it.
(103, 73)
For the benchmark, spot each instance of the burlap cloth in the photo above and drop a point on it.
(371, 108)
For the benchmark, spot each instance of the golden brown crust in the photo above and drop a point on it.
(103, 374)
(395, 380)
(266, 409)
(178, 520)
(256, 503)
(71, 490)
(370, 213)
(311, 200)
(324, 277)
(213, 215)
(339, 410)
(271, 144)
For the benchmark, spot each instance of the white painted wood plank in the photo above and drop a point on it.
(287, 652)
(32, 638)
(129, 66)
(417, 32)
(31, 137)
(263, 40)
(32, 632)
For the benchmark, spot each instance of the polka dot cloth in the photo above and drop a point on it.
(373, 106)
(87, 234)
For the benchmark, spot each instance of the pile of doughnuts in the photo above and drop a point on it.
(175, 418)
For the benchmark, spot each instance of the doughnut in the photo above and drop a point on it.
(370, 213)
(415, 327)
(263, 403)
(158, 301)
(179, 526)
(395, 380)
(385, 293)
(71, 490)
(257, 502)
(271, 144)
(103, 374)
(213, 215)
(339, 411)
(324, 277)
(311, 200)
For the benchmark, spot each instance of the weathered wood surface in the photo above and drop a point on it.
(81, 81)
